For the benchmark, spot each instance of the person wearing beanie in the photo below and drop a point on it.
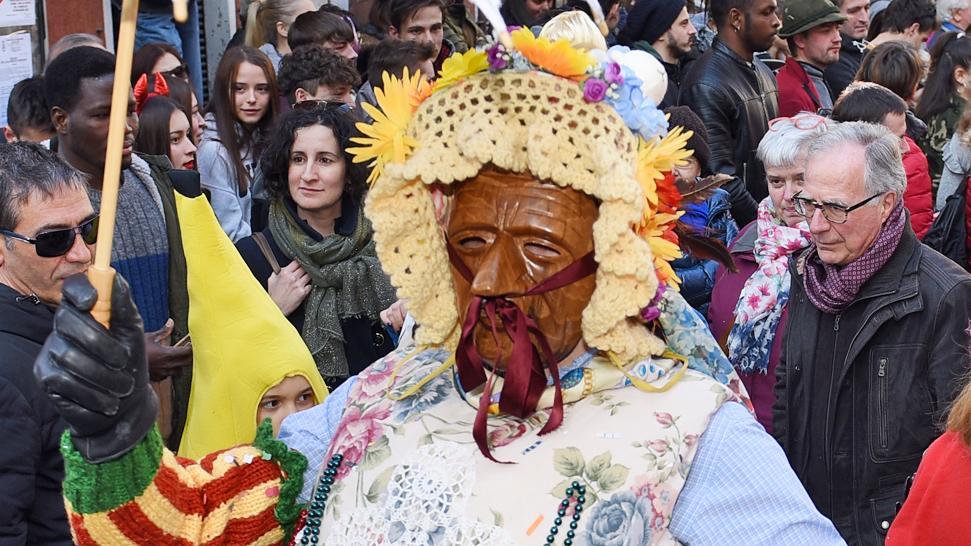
(711, 218)
(812, 29)
(663, 29)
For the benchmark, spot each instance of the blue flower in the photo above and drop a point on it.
(622, 520)
(639, 113)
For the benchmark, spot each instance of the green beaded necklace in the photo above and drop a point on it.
(311, 533)
(577, 492)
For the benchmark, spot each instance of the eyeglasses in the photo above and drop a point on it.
(181, 72)
(803, 122)
(832, 212)
(51, 244)
(316, 104)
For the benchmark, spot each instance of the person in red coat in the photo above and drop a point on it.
(748, 309)
(873, 103)
(811, 27)
(936, 509)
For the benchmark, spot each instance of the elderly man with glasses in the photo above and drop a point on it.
(44, 206)
(881, 343)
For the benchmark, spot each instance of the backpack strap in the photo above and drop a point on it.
(267, 252)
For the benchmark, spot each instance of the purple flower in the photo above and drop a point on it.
(497, 57)
(595, 90)
(614, 74)
(652, 312)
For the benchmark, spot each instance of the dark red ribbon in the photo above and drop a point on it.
(525, 368)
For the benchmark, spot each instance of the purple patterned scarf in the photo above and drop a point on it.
(831, 288)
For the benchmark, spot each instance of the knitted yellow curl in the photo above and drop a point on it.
(519, 121)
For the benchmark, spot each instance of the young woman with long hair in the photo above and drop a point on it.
(241, 111)
(164, 129)
(946, 91)
(268, 24)
(317, 257)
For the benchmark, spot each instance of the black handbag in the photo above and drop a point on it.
(949, 233)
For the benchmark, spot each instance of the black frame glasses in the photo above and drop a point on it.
(832, 212)
(57, 242)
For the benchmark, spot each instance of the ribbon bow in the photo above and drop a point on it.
(525, 369)
(143, 94)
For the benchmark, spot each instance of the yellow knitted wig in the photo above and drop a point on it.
(533, 122)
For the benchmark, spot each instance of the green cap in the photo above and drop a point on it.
(801, 15)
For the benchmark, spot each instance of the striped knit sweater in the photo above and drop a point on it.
(240, 496)
(140, 252)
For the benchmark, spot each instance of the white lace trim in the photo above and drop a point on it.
(425, 504)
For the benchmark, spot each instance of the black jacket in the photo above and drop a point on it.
(736, 100)
(31, 468)
(860, 395)
(364, 341)
(842, 73)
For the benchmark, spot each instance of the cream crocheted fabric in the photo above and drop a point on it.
(519, 121)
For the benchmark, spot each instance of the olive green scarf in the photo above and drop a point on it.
(346, 282)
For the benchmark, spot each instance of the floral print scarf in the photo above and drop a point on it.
(766, 292)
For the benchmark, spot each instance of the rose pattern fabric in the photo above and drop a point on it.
(622, 520)
(766, 293)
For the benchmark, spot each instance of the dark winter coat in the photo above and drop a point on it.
(364, 341)
(842, 73)
(31, 468)
(735, 99)
(861, 394)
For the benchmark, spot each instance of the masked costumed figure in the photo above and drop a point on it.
(561, 391)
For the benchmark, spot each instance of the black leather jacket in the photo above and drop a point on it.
(860, 395)
(735, 99)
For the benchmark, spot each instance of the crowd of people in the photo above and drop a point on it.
(726, 244)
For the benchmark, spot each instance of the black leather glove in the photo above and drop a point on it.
(97, 378)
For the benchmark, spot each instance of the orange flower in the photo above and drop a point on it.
(559, 58)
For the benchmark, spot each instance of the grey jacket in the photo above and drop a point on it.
(957, 166)
(219, 176)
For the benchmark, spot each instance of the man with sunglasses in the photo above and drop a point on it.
(47, 227)
(880, 347)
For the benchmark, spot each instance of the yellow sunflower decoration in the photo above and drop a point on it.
(461, 66)
(385, 139)
(658, 156)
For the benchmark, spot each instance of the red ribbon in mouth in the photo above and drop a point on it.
(525, 368)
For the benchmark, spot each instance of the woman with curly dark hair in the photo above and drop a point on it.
(316, 259)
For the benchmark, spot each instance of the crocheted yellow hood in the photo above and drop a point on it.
(242, 345)
(577, 119)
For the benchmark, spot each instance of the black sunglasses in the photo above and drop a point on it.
(181, 72)
(316, 104)
(51, 244)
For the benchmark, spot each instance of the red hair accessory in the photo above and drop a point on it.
(143, 94)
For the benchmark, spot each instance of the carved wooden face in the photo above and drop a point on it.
(513, 231)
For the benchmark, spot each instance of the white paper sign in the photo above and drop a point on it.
(17, 12)
(16, 63)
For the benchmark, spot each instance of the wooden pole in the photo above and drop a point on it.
(101, 273)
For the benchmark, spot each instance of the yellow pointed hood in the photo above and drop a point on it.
(242, 344)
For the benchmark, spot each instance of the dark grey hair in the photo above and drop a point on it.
(883, 168)
(28, 170)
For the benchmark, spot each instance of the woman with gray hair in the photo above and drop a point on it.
(748, 308)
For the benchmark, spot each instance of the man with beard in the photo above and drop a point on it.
(853, 33)
(735, 95)
(663, 29)
(526, 254)
(811, 27)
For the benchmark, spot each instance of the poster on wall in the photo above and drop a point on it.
(16, 63)
(15, 13)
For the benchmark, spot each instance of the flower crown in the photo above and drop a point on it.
(615, 77)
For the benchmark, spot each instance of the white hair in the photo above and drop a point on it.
(883, 167)
(945, 7)
(785, 141)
